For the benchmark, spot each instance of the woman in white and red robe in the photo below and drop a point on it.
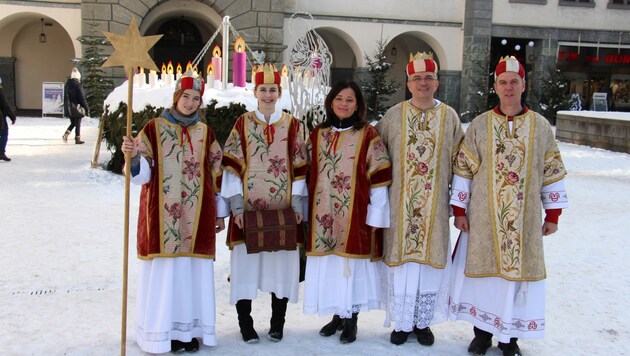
(177, 160)
(348, 205)
(264, 162)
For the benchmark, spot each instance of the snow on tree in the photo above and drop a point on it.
(376, 86)
(95, 84)
(554, 96)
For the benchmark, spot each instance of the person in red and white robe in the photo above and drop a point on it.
(264, 162)
(177, 160)
(348, 206)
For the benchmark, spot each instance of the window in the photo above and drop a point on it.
(540, 2)
(619, 4)
(583, 3)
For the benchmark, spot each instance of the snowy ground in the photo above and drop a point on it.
(61, 281)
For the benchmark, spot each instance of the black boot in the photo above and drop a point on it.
(399, 337)
(331, 328)
(278, 312)
(245, 321)
(510, 349)
(425, 336)
(349, 332)
(481, 343)
(192, 345)
(177, 347)
(4, 157)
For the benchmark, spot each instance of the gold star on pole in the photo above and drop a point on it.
(131, 49)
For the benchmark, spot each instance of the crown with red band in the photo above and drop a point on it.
(267, 74)
(421, 62)
(190, 81)
(509, 64)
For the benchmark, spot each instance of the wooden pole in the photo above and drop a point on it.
(99, 138)
(123, 331)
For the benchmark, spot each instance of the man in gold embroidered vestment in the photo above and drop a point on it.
(508, 162)
(422, 136)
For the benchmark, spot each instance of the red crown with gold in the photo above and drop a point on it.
(190, 81)
(509, 64)
(267, 74)
(421, 62)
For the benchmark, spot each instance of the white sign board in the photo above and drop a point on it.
(52, 98)
(600, 103)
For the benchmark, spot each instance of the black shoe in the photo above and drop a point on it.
(510, 349)
(177, 347)
(349, 332)
(425, 336)
(331, 328)
(399, 337)
(479, 346)
(4, 157)
(481, 343)
(192, 345)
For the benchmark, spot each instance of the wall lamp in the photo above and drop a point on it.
(42, 35)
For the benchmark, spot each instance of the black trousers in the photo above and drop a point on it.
(75, 123)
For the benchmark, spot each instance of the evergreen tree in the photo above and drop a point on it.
(376, 87)
(95, 84)
(484, 97)
(554, 96)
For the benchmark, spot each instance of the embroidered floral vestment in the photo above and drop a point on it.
(344, 166)
(422, 145)
(508, 168)
(177, 206)
(267, 158)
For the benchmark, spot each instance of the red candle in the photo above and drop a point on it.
(238, 59)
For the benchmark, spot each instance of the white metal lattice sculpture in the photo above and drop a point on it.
(309, 70)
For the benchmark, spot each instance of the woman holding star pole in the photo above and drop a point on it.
(177, 160)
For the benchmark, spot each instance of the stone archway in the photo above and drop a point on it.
(397, 52)
(186, 27)
(34, 62)
(180, 43)
(345, 53)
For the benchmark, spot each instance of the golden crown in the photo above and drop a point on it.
(423, 55)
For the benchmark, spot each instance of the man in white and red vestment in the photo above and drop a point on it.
(264, 162)
(177, 160)
(507, 165)
(422, 135)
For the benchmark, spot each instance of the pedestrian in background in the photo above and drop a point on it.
(75, 106)
(5, 111)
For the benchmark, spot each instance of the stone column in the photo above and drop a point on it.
(477, 35)
(449, 89)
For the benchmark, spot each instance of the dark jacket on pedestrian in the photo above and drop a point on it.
(74, 95)
(5, 110)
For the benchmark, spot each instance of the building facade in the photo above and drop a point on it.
(587, 40)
